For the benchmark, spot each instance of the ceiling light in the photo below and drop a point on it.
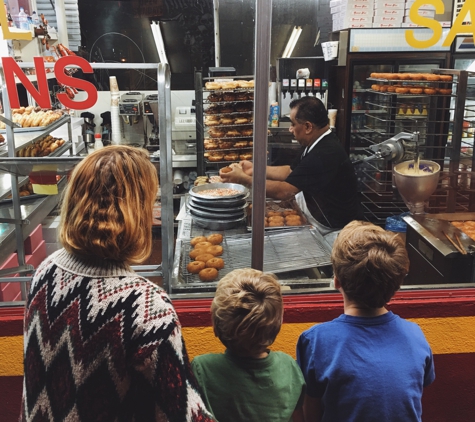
(294, 37)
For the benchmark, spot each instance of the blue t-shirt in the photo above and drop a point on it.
(366, 369)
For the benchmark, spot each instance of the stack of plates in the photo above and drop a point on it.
(218, 212)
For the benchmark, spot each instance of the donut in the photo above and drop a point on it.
(430, 91)
(233, 133)
(246, 132)
(212, 85)
(226, 121)
(194, 267)
(445, 78)
(416, 76)
(375, 87)
(294, 222)
(217, 263)
(445, 91)
(202, 244)
(393, 76)
(226, 169)
(216, 156)
(197, 239)
(229, 85)
(392, 88)
(292, 217)
(209, 146)
(211, 121)
(203, 257)
(227, 108)
(216, 238)
(216, 133)
(243, 107)
(274, 214)
(404, 76)
(241, 96)
(289, 212)
(215, 250)
(402, 90)
(214, 98)
(225, 144)
(375, 75)
(241, 120)
(275, 218)
(276, 223)
(229, 96)
(431, 77)
(241, 144)
(196, 252)
(250, 95)
(208, 274)
(383, 88)
(231, 157)
(246, 156)
(415, 90)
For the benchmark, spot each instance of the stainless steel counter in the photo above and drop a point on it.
(298, 268)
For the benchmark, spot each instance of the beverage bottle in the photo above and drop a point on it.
(98, 141)
(35, 19)
(23, 19)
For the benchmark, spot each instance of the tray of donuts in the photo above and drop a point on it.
(235, 109)
(230, 132)
(41, 148)
(202, 258)
(229, 85)
(228, 120)
(431, 77)
(32, 118)
(230, 97)
(280, 215)
(400, 89)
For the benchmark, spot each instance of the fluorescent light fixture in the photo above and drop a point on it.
(294, 37)
(157, 36)
(471, 68)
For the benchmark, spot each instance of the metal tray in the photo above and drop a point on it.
(278, 205)
(199, 191)
(232, 209)
(214, 224)
(216, 215)
(278, 256)
(220, 203)
(27, 198)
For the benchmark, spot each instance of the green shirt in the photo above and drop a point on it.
(244, 389)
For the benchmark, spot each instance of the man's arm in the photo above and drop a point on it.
(312, 409)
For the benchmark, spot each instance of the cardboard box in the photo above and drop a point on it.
(425, 13)
(33, 240)
(50, 228)
(426, 6)
(389, 12)
(386, 19)
(386, 25)
(389, 5)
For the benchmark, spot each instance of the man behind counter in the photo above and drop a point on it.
(322, 178)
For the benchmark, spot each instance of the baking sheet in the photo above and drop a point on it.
(278, 256)
(275, 205)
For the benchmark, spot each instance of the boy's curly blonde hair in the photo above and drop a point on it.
(247, 311)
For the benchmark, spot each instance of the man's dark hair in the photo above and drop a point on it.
(310, 109)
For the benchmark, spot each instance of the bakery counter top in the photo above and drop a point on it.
(299, 270)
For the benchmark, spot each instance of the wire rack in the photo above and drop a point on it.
(278, 256)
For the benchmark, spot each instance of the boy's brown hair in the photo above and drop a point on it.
(370, 263)
(247, 311)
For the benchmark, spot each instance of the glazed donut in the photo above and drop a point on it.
(241, 120)
(197, 239)
(375, 87)
(216, 156)
(431, 77)
(246, 156)
(233, 133)
(231, 157)
(445, 91)
(416, 76)
(202, 244)
(214, 98)
(194, 267)
(415, 90)
(209, 146)
(216, 238)
(402, 90)
(247, 132)
(445, 78)
(212, 85)
(393, 76)
(430, 91)
(286, 213)
(208, 274)
(226, 121)
(276, 223)
(215, 250)
(246, 84)
(229, 85)
(217, 263)
(293, 222)
(404, 76)
(274, 214)
(241, 144)
(292, 217)
(226, 169)
(216, 133)
(196, 252)
(392, 88)
(211, 121)
(383, 88)
(203, 257)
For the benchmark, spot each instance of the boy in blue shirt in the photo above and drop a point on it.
(368, 364)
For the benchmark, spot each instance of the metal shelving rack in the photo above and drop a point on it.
(19, 167)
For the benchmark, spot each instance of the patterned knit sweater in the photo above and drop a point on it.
(103, 344)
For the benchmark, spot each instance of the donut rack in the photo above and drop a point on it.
(239, 104)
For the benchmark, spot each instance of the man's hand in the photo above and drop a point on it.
(235, 174)
(246, 167)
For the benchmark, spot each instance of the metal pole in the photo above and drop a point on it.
(217, 42)
(261, 110)
(61, 22)
(166, 184)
